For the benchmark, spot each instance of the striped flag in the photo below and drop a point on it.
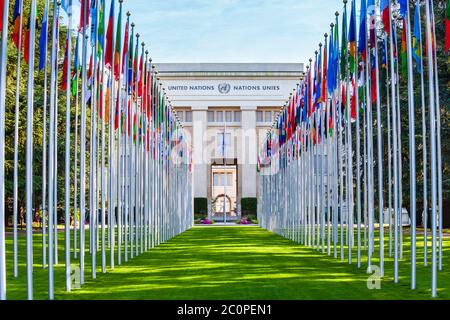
(416, 53)
(352, 39)
(17, 22)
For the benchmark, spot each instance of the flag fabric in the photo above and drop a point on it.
(403, 55)
(65, 65)
(17, 22)
(26, 43)
(101, 26)
(362, 50)
(85, 5)
(43, 40)
(2, 7)
(324, 73)
(372, 22)
(125, 46)
(117, 61)
(385, 17)
(94, 22)
(109, 38)
(352, 39)
(403, 7)
(344, 45)
(447, 26)
(416, 44)
(66, 5)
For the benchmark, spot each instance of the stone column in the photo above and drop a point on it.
(200, 165)
(249, 150)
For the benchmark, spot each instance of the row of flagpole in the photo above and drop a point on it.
(308, 188)
(139, 169)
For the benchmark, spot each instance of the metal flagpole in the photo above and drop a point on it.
(424, 142)
(68, 145)
(438, 134)
(412, 147)
(93, 147)
(4, 58)
(111, 198)
(380, 159)
(434, 200)
(75, 196)
(44, 147)
(16, 142)
(103, 142)
(358, 152)
(83, 147)
(395, 154)
(51, 159)
(29, 154)
(119, 144)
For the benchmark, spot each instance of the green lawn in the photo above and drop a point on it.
(230, 263)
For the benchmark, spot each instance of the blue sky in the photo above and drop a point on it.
(232, 30)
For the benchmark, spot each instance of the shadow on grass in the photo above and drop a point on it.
(229, 263)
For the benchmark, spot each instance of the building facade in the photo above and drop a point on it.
(226, 110)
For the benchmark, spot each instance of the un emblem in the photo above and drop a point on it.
(224, 88)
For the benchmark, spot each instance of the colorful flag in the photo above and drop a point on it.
(26, 44)
(43, 40)
(101, 27)
(352, 39)
(125, 46)
(362, 49)
(416, 44)
(109, 38)
(447, 26)
(85, 5)
(2, 7)
(403, 55)
(94, 22)
(65, 65)
(17, 22)
(403, 7)
(344, 45)
(117, 61)
(385, 17)
(371, 8)
(324, 74)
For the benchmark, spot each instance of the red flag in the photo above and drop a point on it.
(353, 101)
(141, 75)
(17, 23)
(85, 4)
(109, 39)
(26, 44)
(447, 26)
(125, 48)
(65, 65)
(2, 6)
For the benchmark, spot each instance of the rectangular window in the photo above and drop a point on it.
(259, 116)
(188, 116)
(237, 116)
(219, 115)
(230, 180)
(210, 116)
(229, 116)
(268, 116)
(216, 179)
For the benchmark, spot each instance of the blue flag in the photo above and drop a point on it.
(417, 52)
(363, 30)
(43, 41)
